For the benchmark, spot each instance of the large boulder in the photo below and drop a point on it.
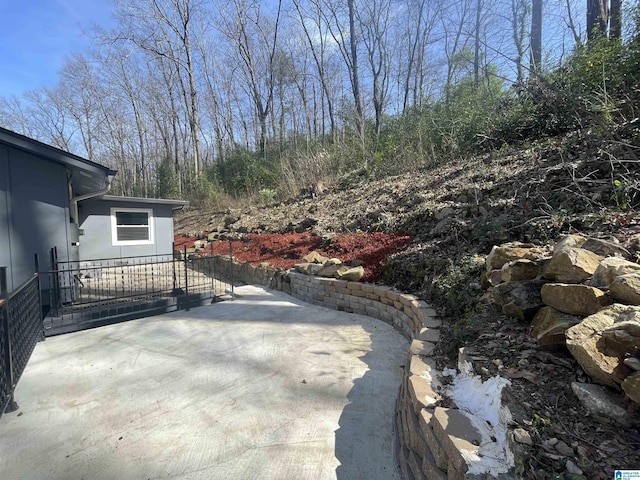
(610, 268)
(519, 299)
(631, 386)
(549, 327)
(626, 288)
(519, 270)
(605, 248)
(509, 252)
(571, 265)
(586, 343)
(574, 299)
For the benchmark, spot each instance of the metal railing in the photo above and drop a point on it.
(112, 286)
(20, 330)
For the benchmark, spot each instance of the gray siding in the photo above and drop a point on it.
(96, 241)
(34, 213)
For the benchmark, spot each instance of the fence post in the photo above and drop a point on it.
(173, 263)
(12, 406)
(211, 272)
(186, 279)
(37, 266)
(53, 281)
(233, 296)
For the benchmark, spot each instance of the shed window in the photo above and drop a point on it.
(132, 226)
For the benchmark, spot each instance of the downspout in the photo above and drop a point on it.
(79, 198)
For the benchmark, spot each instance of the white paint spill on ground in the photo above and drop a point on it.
(483, 399)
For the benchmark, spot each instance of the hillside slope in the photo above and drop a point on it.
(455, 212)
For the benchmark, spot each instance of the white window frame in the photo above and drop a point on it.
(114, 227)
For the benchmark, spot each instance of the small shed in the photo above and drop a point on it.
(117, 227)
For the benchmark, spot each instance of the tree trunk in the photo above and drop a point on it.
(615, 20)
(536, 36)
(596, 19)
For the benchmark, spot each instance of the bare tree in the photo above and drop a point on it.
(164, 28)
(345, 37)
(374, 20)
(318, 47)
(519, 13)
(536, 36)
(255, 39)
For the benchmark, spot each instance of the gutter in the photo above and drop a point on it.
(79, 198)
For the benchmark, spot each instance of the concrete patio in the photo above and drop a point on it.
(262, 387)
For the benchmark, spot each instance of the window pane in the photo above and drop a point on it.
(132, 233)
(132, 218)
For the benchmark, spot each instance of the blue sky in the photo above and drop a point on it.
(37, 34)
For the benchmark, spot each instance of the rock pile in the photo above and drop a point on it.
(316, 264)
(582, 294)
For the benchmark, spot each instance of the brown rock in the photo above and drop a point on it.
(329, 271)
(586, 344)
(509, 252)
(623, 337)
(569, 241)
(610, 268)
(626, 288)
(571, 265)
(519, 270)
(314, 257)
(519, 299)
(631, 386)
(574, 299)
(605, 248)
(549, 327)
(351, 274)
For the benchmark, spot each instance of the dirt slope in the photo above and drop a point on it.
(454, 212)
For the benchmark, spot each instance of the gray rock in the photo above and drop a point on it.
(633, 363)
(605, 248)
(563, 449)
(600, 401)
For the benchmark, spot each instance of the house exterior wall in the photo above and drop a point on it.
(96, 238)
(34, 214)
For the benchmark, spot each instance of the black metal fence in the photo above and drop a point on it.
(89, 293)
(20, 330)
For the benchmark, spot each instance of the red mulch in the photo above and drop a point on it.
(285, 250)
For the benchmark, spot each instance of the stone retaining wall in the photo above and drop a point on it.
(431, 447)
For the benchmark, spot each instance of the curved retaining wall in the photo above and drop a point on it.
(427, 449)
